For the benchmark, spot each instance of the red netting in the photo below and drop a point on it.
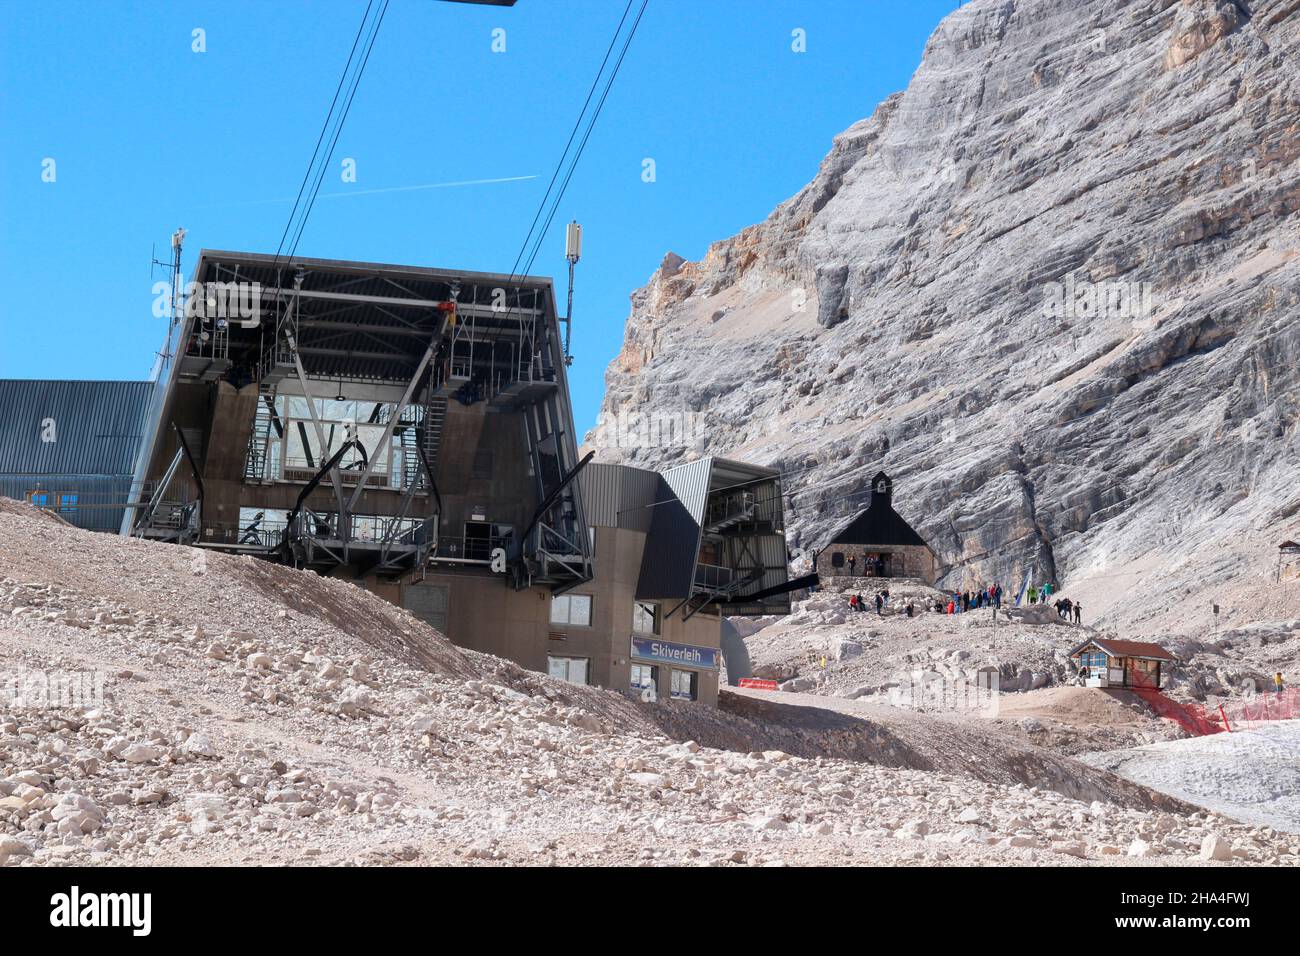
(1199, 720)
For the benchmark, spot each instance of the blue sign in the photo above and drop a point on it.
(688, 655)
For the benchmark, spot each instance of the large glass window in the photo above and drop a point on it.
(645, 617)
(645, 676)
(305, 451)
(571, 609)
(685, 685)
(572, 669)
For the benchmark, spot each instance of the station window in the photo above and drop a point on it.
(645, 617)
(686, 685)
(1094, 661)
(837, 559)
(40, 499)
(571, 609)
(572, 669)
(645, 675)
(67, 502)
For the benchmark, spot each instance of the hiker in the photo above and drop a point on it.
(911, 609)
(1078, 613)
(880, 603)
(1033, 594)
(862, 603)
(885, 595)
(950, 605)
(853, 602)
(1083, 676)
(853, 566)
(1277, 683)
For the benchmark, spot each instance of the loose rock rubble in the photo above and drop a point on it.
(256, 714)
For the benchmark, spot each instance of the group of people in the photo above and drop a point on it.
(1065, 608)
(873, 566)
(858, 603)
(963, 601)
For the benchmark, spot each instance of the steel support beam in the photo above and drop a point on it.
(397, 413)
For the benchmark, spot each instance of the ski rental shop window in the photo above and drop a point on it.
(685, 685)
(643, 676)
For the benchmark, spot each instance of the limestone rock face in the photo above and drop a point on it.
(1053, 288)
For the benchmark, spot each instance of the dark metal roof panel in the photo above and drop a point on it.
(690, 483)
(879, 524)
(619, 496)
(673, 545)
(96, 426)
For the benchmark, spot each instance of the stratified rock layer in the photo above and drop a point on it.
(1053, 288)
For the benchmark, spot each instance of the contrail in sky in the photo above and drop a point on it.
(372, 192)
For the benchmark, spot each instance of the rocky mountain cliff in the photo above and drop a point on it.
(1053, 287)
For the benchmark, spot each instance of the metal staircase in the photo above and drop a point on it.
(435, 414)
(259, 440)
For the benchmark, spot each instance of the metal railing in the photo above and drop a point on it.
(713, 576)
(461, 548)
(733, 507)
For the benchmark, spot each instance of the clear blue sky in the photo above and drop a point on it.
(148, 135)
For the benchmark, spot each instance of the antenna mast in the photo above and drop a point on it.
(572, 252)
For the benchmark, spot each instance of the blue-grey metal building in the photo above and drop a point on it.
(71, 446)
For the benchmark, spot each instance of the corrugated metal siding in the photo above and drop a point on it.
(100, 499)
(690, 483)
(97, 427)
(619, 496)
(673, 545)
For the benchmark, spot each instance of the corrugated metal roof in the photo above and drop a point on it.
(620, 496)
(96, 427)
(673, 546)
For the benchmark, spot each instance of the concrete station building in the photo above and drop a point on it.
(410, 429)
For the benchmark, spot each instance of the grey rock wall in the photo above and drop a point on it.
(1053, 287)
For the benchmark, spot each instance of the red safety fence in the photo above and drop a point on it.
(1264, 707)
(1243, 713)
(1191, 717)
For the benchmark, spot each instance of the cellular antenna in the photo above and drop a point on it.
(572, 252)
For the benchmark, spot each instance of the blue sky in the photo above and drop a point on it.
(148, 135)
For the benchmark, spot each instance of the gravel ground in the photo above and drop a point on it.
(253, 714)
